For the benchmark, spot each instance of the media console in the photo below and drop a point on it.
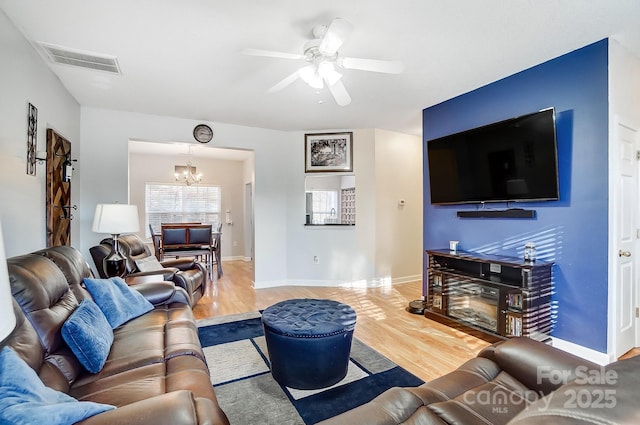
(489, 296)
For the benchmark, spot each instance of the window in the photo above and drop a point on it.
(166, 203)
(324, 206)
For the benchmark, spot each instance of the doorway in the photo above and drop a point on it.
(155, 162)
(626, 332)
(248, 222)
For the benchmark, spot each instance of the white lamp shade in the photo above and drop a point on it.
(116, 219)
(7, 316)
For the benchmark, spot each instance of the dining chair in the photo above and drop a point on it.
(201, 235)
(156, 238)
(188, 240)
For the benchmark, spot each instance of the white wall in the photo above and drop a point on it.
(386, 242)
(229, 175)
(284, 248)
(105, 135)
(24, 79)
(346, 253)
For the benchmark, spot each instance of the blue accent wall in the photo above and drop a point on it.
(572, 232)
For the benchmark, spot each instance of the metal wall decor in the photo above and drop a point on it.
(59, 207)
(32, 133)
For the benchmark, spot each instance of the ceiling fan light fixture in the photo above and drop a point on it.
(322, 57)
(310, 75)
(328, 73)
(330, 45)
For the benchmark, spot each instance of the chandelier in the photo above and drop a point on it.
(187, 173)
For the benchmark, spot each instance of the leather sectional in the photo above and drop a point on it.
(156, 371)
(517, 382)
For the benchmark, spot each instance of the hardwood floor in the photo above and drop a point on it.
(631, 353)
(425, 348)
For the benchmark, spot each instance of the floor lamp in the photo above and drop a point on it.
(115, 219)
(7, 316)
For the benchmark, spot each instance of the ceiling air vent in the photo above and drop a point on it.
(66, 56)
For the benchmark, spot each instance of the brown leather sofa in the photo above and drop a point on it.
(515, 382)
(156, 371)
(184, 272)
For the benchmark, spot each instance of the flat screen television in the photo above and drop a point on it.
(512, 160)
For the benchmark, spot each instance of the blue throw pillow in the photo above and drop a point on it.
(117, 300)
(89, 335)
(25, 400)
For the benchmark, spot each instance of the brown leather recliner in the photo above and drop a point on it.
(518, 381)
(184, 272)
(156, 372)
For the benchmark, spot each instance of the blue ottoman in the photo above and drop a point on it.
(309, 341)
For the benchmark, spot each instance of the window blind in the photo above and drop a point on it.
(177, 203)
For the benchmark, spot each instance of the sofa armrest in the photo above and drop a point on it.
(394, 406)
(166, 274)
(160, 293)
(537, 365)
(174, 408)
(182, 264)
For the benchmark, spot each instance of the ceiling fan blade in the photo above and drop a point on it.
(375, 65)
(336, 35)
(340, 93)
(284, 83)
(271, 54)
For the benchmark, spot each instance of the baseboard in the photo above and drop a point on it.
(236, 258)
(368, 283)
(271, 284)
(380, 281)
(406, 279)
(584, 352)
(296, 282)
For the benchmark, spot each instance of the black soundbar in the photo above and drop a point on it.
(510, 213)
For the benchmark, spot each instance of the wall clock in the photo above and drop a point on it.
(203, 133)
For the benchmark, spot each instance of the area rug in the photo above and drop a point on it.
(238, 362)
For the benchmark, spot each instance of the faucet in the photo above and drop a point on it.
(333, 212)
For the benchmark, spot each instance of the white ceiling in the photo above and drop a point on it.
(183, 58)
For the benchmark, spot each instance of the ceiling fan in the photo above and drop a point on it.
(322, 56)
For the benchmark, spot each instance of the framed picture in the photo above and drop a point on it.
(328, 152)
